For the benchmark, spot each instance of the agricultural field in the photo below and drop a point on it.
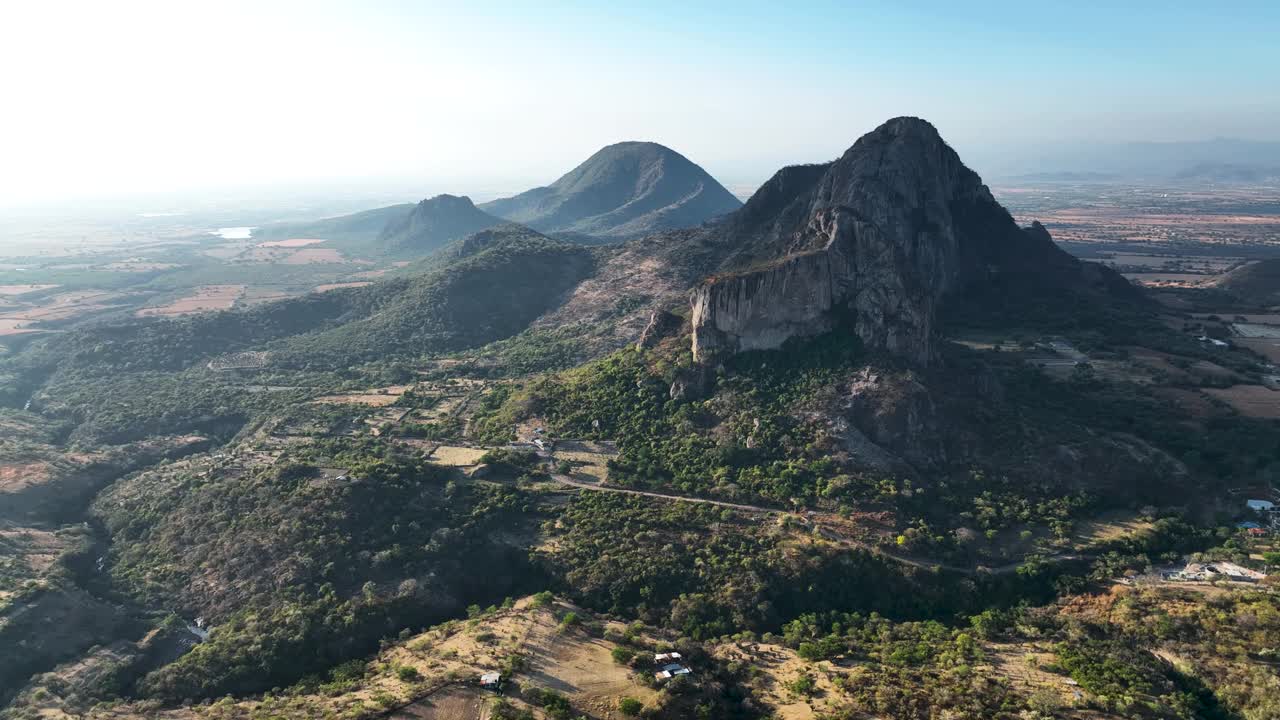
(158, 266)
(1161, 237)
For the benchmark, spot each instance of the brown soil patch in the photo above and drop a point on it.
(1193, 401)
(456, 456)
(139, 266)
(205, 299)
(15, 290)
(15, 477)
(314, 256)
(590, 459)
(1268, 348)
(1108, 527)
(378, 397)
(1169, 279)
(35, 549)
(338, 286)
(292, 243)
(1250, 400)
(780, 665)
(450, 704)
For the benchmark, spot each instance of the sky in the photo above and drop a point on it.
(105, 99)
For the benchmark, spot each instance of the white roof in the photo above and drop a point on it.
(666, 656)
(491, 677)
(1260, 504)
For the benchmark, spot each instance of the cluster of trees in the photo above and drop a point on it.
(298, 570)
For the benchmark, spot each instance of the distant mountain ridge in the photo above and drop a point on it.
(624, 190)
(1243, 173)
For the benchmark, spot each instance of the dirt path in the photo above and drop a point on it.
(825, 532)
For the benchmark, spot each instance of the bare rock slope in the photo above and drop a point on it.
(876, 238)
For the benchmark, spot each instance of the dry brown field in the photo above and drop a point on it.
(291, 243)
(204, 299)
(338, 286)
(1250, 400)
(1266, 347)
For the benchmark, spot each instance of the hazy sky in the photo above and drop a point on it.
(119, 97)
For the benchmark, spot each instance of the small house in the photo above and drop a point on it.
(1257, 532)
(1248, 525)
(666, 657)
(1261, 505)
(491, 681)
(671, 670)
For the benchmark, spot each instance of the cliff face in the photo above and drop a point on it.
(878, 238)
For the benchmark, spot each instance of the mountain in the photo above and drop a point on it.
(433, 223)
(878, 237)
(355, 232)
(1144, 161)
(1257, 283)
(624, 190)
(1242, 173)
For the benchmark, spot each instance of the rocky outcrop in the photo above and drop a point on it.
(874, 239)
(662, 323)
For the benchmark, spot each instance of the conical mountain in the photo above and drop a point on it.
(624, 190)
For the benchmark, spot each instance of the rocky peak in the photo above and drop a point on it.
(875, 238)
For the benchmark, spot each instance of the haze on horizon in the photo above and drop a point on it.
(113, 99)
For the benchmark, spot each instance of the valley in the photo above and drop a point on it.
(870, 445)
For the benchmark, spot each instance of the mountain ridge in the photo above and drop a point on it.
(626, 189)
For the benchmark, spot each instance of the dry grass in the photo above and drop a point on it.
(314, 256)
(590, 459)
(1250, 400)
(1108, 527)
(15, 477)
(1268, 348)
(291, 243)
(206, 298)
(457, 456)
(338, 286)
(377, 397)
(16, 290)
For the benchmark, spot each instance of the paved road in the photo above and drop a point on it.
(825, 532)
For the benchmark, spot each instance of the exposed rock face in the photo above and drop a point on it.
(876, 238)
(661, 324)
(624, 190)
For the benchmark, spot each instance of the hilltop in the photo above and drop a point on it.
(432, 224)
(1256, 283)
(624, 190)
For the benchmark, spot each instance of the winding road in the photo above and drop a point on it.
(825, 532)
